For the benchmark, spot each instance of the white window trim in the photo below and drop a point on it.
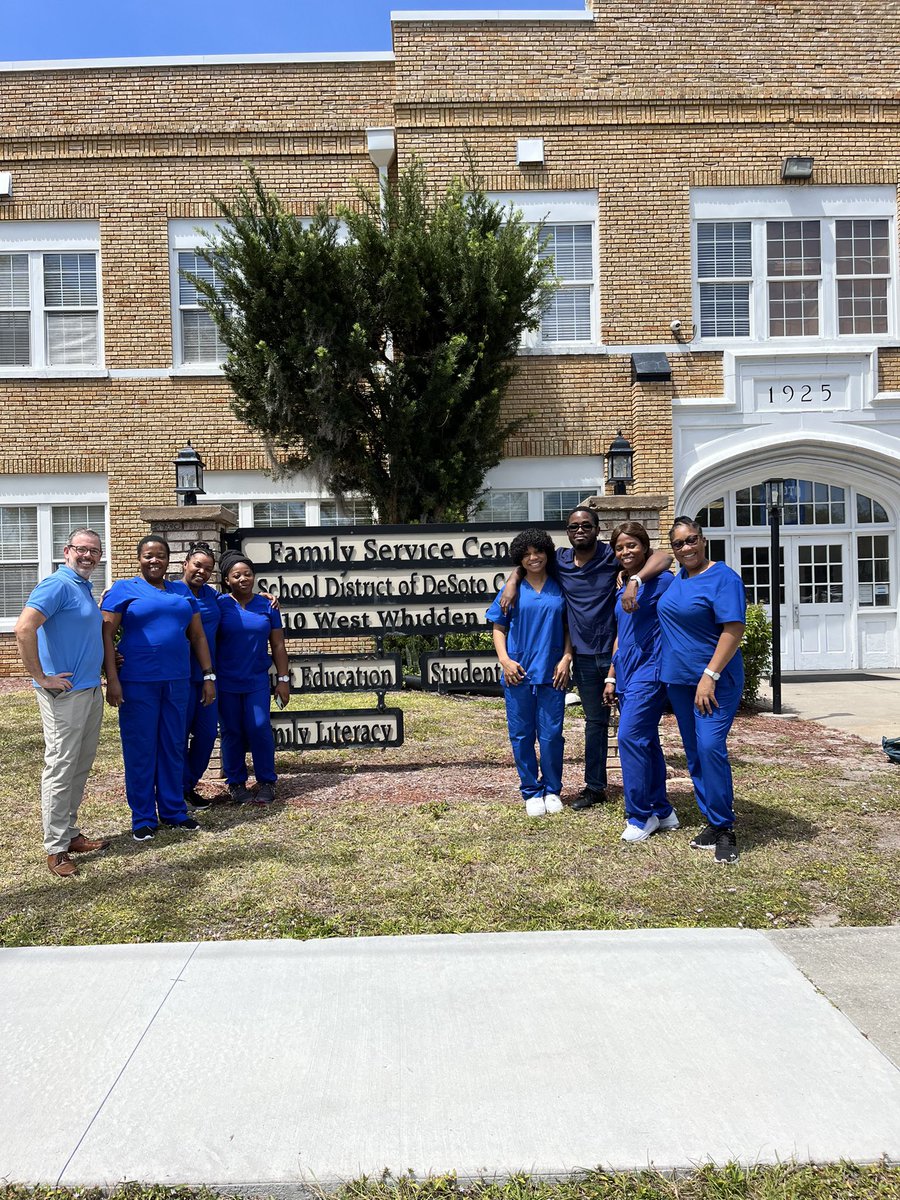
(826, 204)
(191, 234)
(36, 238)
(561, 208)
(45, 492)
(251, 487)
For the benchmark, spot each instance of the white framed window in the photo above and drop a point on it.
(568, 241)
(349, 511)
(791, 264)
(196, 345)
(50, 296)
(258, 501)
(37, 514)
(502, 504)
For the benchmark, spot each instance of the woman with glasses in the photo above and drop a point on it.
(701, 619)
(160, 626)
(634, 680)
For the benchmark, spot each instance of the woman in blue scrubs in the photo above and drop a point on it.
(160, 625)
(201, 720)
(535, 652)
(634, 679)
(701, 618)
(250, 637)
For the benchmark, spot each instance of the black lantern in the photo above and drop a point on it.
(188, 475)
(619, 458)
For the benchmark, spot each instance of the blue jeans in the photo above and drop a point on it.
(590, 671)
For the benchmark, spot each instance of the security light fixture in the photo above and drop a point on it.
(188, 476)
(797, 167)
(530, 152)
(619, 459)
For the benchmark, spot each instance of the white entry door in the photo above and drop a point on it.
(819, 603)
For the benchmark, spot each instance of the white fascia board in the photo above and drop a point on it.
(494, 14)
(733, 203)
(199, 60)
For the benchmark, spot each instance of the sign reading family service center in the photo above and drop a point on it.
(338, 729)
(376, 580)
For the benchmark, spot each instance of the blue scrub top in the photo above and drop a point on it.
(536, 629)
(70, 638)
(637, 657)
(154, 642)
(208, 600)
(242, 648)
(590, 593)
(691, 615)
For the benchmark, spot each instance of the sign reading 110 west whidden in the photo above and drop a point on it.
(378, 580)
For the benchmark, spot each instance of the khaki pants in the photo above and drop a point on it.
(71, 732)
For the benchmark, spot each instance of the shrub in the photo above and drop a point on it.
(756, 649)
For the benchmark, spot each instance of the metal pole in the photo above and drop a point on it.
(775, 576)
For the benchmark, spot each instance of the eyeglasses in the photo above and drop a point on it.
(691, 540)
(94, 551)
(576, 525)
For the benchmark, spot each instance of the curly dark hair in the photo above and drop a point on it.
(540, 539)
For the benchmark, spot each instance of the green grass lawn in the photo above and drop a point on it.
(783, 1182)
(431, 838)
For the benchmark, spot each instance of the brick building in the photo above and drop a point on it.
(650, 139)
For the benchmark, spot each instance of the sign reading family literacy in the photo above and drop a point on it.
(377, 580)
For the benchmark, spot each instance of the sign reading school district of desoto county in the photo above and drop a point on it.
(377, 580)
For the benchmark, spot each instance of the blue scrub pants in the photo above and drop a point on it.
(151, 725)
(201, 731)
(704, 737)
(641, 756)
(245, 725)
(590, 670)
(536, 713)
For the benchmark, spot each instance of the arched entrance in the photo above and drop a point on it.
(839, 555)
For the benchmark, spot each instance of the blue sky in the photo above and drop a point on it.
(128, 28)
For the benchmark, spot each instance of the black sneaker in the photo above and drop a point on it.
(265, 793)
(188, 824)
(726, 846)
(144, 834)
(239, 793)
(195, 800)
(587, 798)
(706, 839)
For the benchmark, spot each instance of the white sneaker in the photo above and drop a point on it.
(669, 822)
(552, 803)
(535, 806)
(634, 833)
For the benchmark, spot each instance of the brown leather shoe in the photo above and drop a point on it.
(82, 845)
(61, 865)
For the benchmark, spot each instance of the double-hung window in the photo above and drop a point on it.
(568, 242)
(804, 264)
(50, 301)
(195, 338)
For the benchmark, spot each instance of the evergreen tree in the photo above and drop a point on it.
(378, 360)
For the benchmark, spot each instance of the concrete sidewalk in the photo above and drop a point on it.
(286, 1066)
(865, 703)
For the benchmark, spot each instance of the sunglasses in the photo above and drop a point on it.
(691, 540)
(576, 525)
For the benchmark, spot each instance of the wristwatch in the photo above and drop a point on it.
(284, 679)
(209, 677)
(714, 675)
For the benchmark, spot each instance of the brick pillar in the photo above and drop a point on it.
(645, 507)
(651, 439)
(181, 525)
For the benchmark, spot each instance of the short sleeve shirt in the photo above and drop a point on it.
(590, 593)
(242, 647)
(536, 625)
(208, 600)
(691, 615)
(154, 644)
(639, 649)
(70, 638)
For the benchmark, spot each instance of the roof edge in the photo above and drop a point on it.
(190, 60)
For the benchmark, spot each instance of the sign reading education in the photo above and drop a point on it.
(376, 580)
(344, 673)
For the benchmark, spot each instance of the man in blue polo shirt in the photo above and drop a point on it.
(61, 646)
